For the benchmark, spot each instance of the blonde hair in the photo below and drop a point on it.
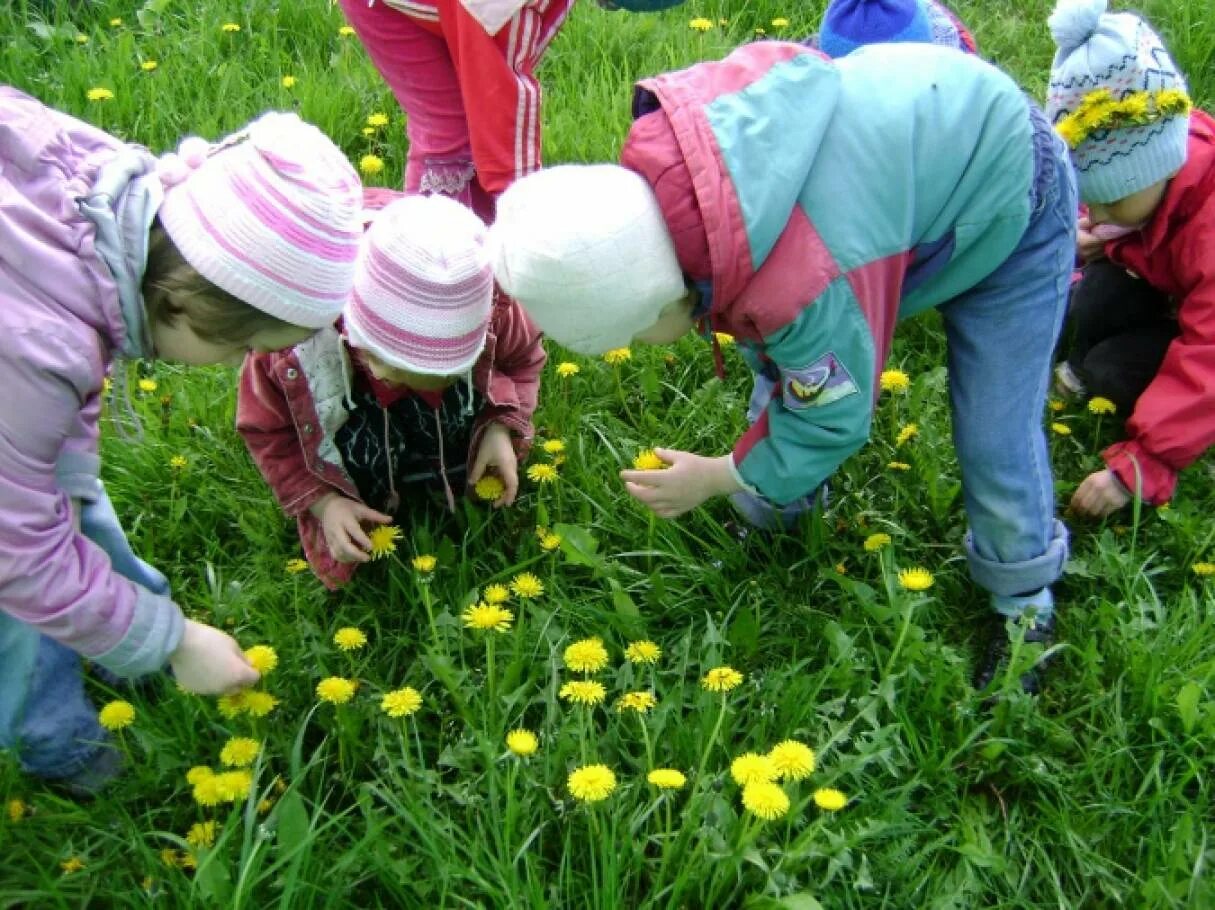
(173, 289)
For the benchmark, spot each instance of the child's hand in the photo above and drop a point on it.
(342, 521)
(1099, 494)
(689, 481)
(496, 451)
(210, 662)
(1088, 245)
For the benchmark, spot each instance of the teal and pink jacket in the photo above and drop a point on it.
(816, 203)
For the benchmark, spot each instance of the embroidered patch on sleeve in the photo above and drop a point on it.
(821, 383)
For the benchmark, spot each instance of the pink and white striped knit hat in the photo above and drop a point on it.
(423, 287)
(272, 215)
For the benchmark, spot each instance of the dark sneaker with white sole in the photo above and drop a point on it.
(999, 646)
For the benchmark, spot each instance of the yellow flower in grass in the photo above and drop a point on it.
(522, 742)
(568, 368)
(1056, 404)
(229, 28)
(553, 446)
(169, 857)
(349, 638)
(898, 466)
(752, 768)
(583, 692)
(71, 864)
(368, 131)
(908, 433)
(636, 701)
(830, 799)
(592, 783)
(496, 594)
(586, 656)
(1203, 569)
(99, 94)
(648, 460)
(201, 834)
(240, 752)
(296, 566)
(780, 22)
(148, 65)
(489, 487)
(793, 760)
(383, 540)
(424, 563)
(263, 658)
(371, 165)
(541, 473)
(721, 679)
(765, 800)
(117, 715)
(401, 702)
(1061, 429)
(209, 790)
(876, 541)
(377, 119)
(894, 381)
(346, 31)
(526, 585)
(187, 860)
(760, 31)
(234, 786)
(642, 652)
(488, 618)
(337, 690)
(259, 704)
(287, 82)
(700, 24)
(916, 579)
(550, 542)
(145, 385)
(178, 462)
(666, 778)
(616, 356)
(197, 774)
(724, 339)
(115, 23)
(1098, 405)
(17, 810)
(82, 39)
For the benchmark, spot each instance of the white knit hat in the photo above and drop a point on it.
(272, 215)
(423, 287)
(585, 250)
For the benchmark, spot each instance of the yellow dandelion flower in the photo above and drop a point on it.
(377, 119)
(349, 638)
(229, 28)
(496, 594)
(1056, 405)
(666, 778)
(542, 473)
(592, 783)
(841, 569)
(488, 617)
(287, 82)
(636, 701)
(527, 586)
(240, 752)
(583, 692)
(553, 446)
(780, 22)
(642, 652)
(724, 339)
(234, 786)
(586, 656)
(898, 466)
(550, 542)
(187, 860)
(259, 704)
(337, 690)
(700, 24)
(296, 566)
(568, 368)
(1203, 569)
(424, 563)
(264, 805)
(489, 487)
(346, 31)
(765, 800)
(894, 381)
(1099, 405)
(916, 579)
(383, 540)
(908, 433)
(201, 834)
(760, 32)
(198, 773)
(368, 131)
(82, 39)
(209, 790)
(401, 702)
(231, 706)
(178, 462)
(876, 541)
(115, 23)
(146, 385)
(1061, 428)
(752, 768)
(522, 742)
(371, 165)
(102, 94)
(830, 799)
(617, 356)
(71, 864)
(17, 810)
(262, 658)
(721, 679)
(148, 65)
(793, 760)
(648, 460)
(116, 715)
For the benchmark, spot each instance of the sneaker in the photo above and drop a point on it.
(1068, 385)
(999, 644)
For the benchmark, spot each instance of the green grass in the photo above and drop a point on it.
(1098, 794)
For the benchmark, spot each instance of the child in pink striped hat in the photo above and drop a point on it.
(429, 380)
(107, 253)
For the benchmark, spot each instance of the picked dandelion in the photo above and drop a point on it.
(648, 460)
(383, 540)
(489, 488)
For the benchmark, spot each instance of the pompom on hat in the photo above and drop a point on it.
(849, 24)
(423, 288)
(271, 214)
(586, 252)
(1117, 99)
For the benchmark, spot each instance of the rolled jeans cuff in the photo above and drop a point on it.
(1007, 578)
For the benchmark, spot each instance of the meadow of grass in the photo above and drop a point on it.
(1096, 794)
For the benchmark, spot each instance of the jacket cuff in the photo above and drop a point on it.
(1141, 472)
(155, 632)
(734, 472)
(77, 473)
(304, 501)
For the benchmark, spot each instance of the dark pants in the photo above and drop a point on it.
(1120, 327)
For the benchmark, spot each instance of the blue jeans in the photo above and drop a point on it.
(45, 715)
(1001, 337)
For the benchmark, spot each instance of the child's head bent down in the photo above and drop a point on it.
(1120, 104)
(254, 245)
(420, 307)
(586, 251)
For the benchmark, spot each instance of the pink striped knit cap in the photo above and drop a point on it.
(272, 215)
(423, 287)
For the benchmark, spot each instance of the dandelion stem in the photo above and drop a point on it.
(645, 736)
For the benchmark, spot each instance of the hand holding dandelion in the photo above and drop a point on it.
(210, 662)
(342, 521)
(1099, 494)
(689, 480)
(495, 451)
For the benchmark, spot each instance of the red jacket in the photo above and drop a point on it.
(292, 403)
(1174, 419)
